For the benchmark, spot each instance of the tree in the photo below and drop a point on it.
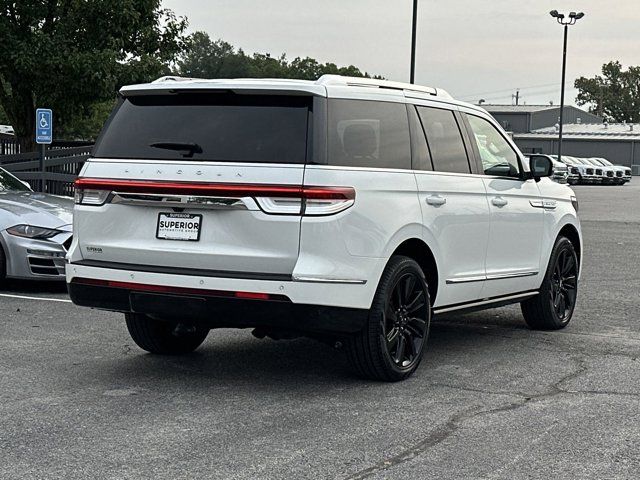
(615, 94)
(69, 55)
(205, 58)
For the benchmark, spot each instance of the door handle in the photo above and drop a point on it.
(436, 200)
(499, 201)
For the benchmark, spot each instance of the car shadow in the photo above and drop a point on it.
(239, 360)
(30, 287)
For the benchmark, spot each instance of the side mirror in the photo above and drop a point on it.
(540, 166)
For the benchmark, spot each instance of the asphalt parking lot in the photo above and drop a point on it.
(492, 399)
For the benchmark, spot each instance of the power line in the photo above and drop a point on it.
(509, 90)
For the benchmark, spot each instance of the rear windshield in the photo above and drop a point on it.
(221, 127)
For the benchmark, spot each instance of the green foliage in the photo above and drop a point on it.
(4, 120)
(615, 94)
(68, 55)
(205, 58)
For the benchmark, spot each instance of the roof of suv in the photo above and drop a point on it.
(324, 87)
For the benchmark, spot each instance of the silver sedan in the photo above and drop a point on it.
(35, 231)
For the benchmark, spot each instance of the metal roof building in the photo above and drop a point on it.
(527, 118)
(617, 142)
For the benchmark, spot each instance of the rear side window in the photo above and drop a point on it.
(365, 133)
(221, 127)
(448, 152)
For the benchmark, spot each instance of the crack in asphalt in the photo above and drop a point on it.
(455, 422)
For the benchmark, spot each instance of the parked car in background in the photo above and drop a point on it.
(622, 174)
(35, 231)
(581, 173)
(560, 170)
(607, 174)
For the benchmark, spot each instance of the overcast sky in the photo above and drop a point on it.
(472, 48)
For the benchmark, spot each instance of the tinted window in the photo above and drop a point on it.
(445, 140)
(10, 183)
(368, 134)
(498, 158)
(213, 126)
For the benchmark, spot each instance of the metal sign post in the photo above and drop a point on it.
(44, 137)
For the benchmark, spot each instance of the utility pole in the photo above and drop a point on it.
(516, 97)
(412, 75)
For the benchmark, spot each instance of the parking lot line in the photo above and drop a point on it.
(25, 297)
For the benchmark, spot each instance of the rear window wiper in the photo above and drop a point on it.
(190, 148)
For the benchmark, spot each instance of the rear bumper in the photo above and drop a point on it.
(220, 311)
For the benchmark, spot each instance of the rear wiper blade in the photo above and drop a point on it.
(191, 148)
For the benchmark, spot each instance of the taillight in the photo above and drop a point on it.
(272, 199)
(91, 197)
(312, 201)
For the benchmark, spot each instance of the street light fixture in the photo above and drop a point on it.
(565, 22)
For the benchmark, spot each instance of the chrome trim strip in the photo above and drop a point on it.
(182, 201)
(491, 276)
(500, 276)
(536, 203)
(302, 278)
(477, 278)
(487, 301)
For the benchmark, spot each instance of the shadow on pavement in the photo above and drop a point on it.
(235, 359)
(30, 287)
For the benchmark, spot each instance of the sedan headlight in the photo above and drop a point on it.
(30, 231)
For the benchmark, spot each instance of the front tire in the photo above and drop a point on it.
(391, 345)
(164, 337)
(553, 307)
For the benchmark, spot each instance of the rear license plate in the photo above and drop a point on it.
(179, 226)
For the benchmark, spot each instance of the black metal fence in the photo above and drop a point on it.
(55, 173)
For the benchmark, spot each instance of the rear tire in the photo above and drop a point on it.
(391, 345)
(162, 337)
(553, 307)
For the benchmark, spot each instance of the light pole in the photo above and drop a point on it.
(565, 22)
(412, 75)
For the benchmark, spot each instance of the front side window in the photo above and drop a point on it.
(448, 152)
(498, 158)
(363, 133)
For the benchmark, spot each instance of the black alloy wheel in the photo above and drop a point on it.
(564, 284)
(553, 307)
(392, 343)
(405, 324)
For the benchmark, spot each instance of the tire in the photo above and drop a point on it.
(553, 307)
(391, 345)
(164, 337)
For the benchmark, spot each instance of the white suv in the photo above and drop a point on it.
(345, 209)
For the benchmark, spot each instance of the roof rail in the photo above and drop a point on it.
(375, 83)
(174, 78)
